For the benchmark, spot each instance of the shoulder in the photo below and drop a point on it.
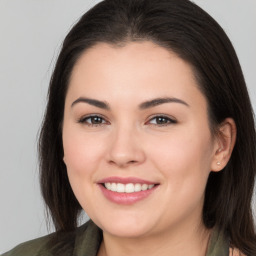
(34, 247)
(48, 245)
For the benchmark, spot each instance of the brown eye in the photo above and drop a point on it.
(93, 120)
(162, 120)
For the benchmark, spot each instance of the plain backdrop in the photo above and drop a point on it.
(31, 32)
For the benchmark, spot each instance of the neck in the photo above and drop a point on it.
(191, 241)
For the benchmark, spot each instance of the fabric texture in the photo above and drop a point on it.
(86, 240)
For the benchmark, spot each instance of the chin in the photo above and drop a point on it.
(129, 228)
(127, 232)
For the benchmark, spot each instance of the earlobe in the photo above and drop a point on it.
(225, 142)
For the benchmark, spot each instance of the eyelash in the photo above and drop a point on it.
(169, 120)
(84, 120)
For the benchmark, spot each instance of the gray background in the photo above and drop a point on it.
(31, 32)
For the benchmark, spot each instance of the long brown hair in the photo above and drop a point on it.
(182, 27)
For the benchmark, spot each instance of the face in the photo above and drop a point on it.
(136, 138)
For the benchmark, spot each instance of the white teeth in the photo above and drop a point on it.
(144, 187)
(151, 186)
(108, 186)
(120, 188)
(113, 187)
(127, 188)
(137, 187)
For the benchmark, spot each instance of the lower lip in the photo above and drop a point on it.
(126, 198)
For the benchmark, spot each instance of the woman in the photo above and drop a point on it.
(149, 129)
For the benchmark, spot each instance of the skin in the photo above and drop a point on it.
(130, 142)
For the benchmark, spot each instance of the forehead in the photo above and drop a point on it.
(136, 69)
(129, 55)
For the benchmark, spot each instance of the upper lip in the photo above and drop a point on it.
(126, 180)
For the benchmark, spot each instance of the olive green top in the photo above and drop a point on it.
(86, 240)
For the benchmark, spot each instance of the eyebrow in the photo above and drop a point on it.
(159, 101)
(144, 105)
(93, 102)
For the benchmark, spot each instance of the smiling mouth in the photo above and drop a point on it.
(127, 188)
(126, 191)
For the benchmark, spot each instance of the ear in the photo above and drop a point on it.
(225, 140)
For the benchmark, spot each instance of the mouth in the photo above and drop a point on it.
(126, 190)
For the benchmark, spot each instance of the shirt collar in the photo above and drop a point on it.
(218, 244)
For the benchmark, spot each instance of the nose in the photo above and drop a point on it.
(125, 148)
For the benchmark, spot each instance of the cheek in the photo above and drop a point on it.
(81, 153)
(81, 156)
(184, 159)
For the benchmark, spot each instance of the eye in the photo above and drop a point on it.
(92, 120)
(161, 120)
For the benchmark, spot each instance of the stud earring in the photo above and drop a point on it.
(218, 163)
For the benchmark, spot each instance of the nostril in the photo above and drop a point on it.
(112, 162)
(122, 163)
